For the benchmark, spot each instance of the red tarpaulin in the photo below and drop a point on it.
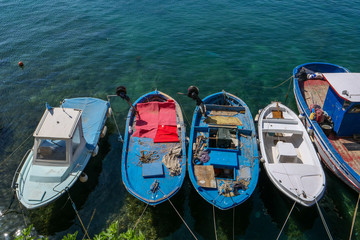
(157, 120)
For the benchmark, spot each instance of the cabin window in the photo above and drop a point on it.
(223, 138)
(76, 140)
(49, 149)
(355, 109)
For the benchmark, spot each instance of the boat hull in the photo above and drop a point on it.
(153, 189)
(38, 185)
(243, 162)
(301, 178)
(329, 155)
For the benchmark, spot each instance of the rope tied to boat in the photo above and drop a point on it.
(287, 218)
(154, 187)
(120, 138)
(7, 211)
(354, 217)
(179, 214)
(323, 220)
(77, 213)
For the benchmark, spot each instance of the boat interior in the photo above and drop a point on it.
(314, 92)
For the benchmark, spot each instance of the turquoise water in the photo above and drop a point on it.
(88, 48)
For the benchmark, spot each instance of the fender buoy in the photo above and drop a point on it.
(96, 150)
(83, 177)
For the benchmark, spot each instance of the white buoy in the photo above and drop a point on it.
(262, 160)
(96, 150)
(83, 177)
(103, 132)
(109, 112)
(310, 130)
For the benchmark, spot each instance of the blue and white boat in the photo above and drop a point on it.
(153, 163)
(328, 96)
(223, 160)
(65, 139)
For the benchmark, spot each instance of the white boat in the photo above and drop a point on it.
(65, 139)
(288, 155)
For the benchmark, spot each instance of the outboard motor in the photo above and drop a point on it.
(121, 92)
(302, 74)
(193, 92)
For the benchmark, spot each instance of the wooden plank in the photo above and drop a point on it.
(315, 92)
(205, 176)
(352, 157)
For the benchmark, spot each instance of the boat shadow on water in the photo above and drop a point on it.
(155, 222)
(278, 206)
(60, 215)
(202, 213)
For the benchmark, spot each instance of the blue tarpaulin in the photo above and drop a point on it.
(93, 117)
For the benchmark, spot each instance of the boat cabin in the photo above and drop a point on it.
(342, 102)
(59, 137)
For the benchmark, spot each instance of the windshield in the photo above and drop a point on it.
(49, 149)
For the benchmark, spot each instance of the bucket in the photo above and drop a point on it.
(327, 129)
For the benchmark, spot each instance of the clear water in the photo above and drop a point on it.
(88, 48)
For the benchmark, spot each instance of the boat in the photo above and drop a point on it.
(223, 160)
(328, 96)
(153, 164)
(288, 155)
(64, 140)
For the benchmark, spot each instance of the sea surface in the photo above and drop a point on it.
(88, 48)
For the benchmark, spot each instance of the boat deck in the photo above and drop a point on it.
(314, 92)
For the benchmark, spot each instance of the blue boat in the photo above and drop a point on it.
(153, 163)
(65, 139)
(328, 98)
(223, 161)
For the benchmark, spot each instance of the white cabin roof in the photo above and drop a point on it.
(347, 85)
(58, 123)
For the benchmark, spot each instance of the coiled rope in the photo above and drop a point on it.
(354, 217)
(287, 218)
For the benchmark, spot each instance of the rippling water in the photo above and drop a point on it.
(87, 48)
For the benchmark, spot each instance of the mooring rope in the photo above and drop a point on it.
(8, 208)
(137, 222)
(354, 217)
(233, 223)
(16, 149)
(323, 220)
(184, 113)
(92, 216)
(22, 211)
(282, 83)
(287, 95)
(77, 214)
(287, 218)
(178, 214)
(214, 221)
(113, 115)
